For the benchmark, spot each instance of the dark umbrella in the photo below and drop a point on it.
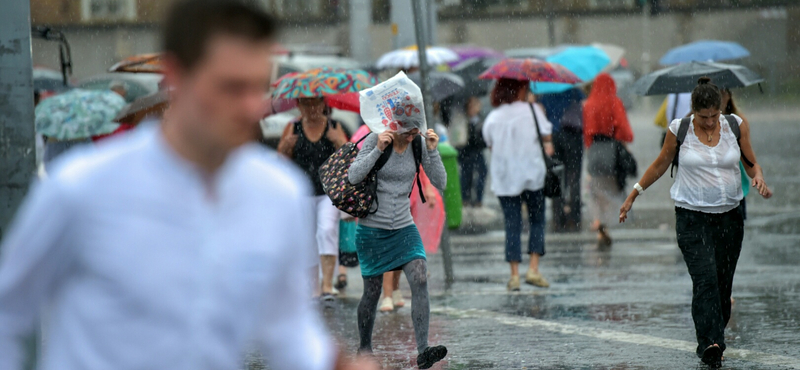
(683, 78)
(469, 71)
(443, 84)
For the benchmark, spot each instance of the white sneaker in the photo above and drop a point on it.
(387, 305)
(397, 297)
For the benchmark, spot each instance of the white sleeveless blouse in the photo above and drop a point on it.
(708, 178)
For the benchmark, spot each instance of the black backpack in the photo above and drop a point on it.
(684, 128)
(357, 199)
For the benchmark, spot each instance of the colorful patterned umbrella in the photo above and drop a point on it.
(322, 82)
(78, 114)
(530, 70)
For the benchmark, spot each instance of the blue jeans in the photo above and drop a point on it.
(512, 210)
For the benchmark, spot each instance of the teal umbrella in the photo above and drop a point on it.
(586, 62)
(78, 114)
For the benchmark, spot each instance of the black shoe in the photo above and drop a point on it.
(341, 282)
(430, 356)
(712, 356)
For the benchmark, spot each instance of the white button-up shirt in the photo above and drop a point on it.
(134, 266)
(516, 162)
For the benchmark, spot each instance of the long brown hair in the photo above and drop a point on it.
(731, 107)
(507, 91)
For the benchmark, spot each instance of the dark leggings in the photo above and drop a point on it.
(417, 275)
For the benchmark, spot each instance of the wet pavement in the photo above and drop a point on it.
(624, 308)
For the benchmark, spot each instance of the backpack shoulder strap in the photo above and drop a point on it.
(683, 129)
(737, 131)
(416, 147)
(383, 159)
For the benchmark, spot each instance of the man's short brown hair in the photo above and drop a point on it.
(190, 24)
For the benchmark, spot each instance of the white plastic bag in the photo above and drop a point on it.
(395, 104)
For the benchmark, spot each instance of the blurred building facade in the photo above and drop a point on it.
(103, 31)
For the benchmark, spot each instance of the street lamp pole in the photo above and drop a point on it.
(18, 163)
(419, 25)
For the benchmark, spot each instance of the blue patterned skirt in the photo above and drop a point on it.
(381, 251)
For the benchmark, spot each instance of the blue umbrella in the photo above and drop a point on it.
(586, 62)
(704, 51)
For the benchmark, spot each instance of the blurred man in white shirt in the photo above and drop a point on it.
(179, 245)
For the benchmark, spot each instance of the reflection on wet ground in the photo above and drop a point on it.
(624, 308)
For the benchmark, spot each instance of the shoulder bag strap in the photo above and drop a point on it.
(539, 133)
(416, 147)
(681, 136)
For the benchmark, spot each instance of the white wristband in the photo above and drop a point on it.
(638, 188)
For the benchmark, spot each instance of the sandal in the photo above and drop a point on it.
(604, 240)
(341, 282)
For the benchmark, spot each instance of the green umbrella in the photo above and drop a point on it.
(78, 114)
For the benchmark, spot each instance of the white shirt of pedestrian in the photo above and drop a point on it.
(708, 178)
(516, 161)
(134, 267)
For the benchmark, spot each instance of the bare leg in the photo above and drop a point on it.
(514, 268)
(388, 284)
(328, 266)
(534, 266)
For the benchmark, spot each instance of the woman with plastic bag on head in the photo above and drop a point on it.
(388, 240)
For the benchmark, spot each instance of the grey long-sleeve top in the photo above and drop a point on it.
(395, 182)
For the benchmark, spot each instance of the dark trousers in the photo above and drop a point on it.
(568, 145)
(512, 210)
(473, 175)
(710, 244)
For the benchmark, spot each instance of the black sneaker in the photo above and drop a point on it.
(712, 356)
(430, 356)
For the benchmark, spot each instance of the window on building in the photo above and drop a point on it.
(108, 10)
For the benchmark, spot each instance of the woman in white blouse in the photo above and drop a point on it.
(517, 172)
(707, 192)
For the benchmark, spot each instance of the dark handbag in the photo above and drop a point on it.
(552, 180)
(625, 165)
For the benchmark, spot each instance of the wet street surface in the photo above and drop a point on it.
(628, 307)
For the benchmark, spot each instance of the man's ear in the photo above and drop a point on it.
(173, 71)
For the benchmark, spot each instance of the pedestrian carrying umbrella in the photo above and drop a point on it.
(409, 57)
(704, 50)
(586, 62)
(530, 70)
(78, 114)
(443, 84)
(683, 78)
(321, 82)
